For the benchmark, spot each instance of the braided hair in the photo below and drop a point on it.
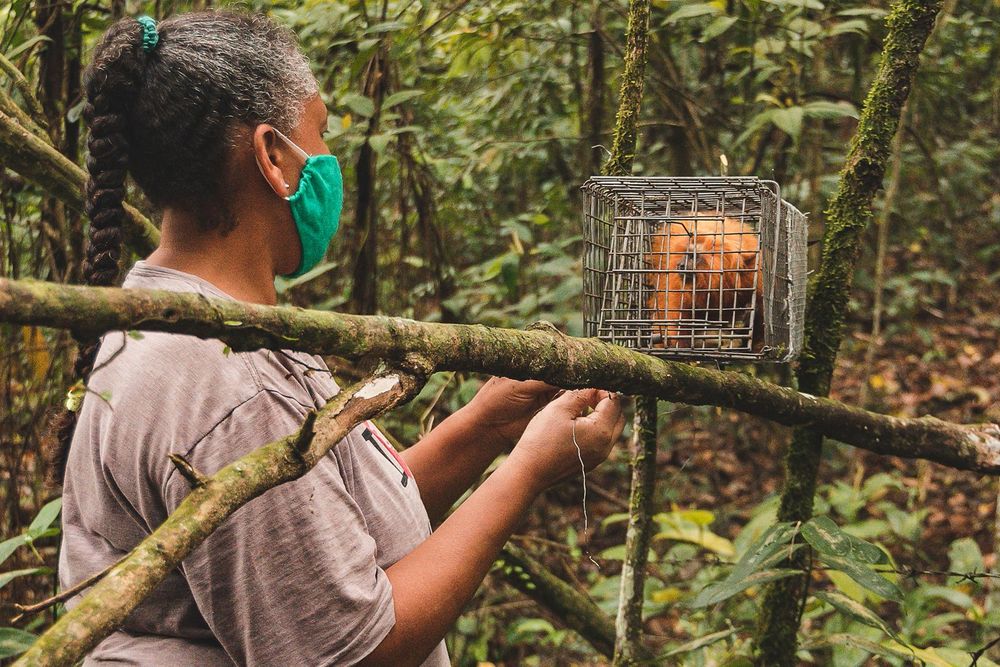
(169, 115)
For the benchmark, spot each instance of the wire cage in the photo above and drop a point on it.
(694, 268)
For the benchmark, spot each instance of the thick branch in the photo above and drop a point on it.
(539, 353)
(35, 115)
(35, 159)
(107, 605)
(575, 609)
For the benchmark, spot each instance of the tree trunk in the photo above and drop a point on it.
(909, 24)
(596, 94)
(364, 295)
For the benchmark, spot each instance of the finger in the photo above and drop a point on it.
(538, 387)
(577, 401)
(607, 411)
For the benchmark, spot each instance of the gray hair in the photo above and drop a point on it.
(245, 56)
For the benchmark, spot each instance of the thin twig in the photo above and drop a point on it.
(62, 596)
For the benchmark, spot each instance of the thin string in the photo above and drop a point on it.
(586, 524)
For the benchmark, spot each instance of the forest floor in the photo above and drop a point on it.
(941, 360)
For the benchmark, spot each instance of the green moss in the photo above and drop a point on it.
(909, 24)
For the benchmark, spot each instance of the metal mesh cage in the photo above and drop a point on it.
(694, 268)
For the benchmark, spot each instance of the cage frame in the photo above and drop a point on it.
(635, 205)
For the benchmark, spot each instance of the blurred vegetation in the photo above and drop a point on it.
(472, 125)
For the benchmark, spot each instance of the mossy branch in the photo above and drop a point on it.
(210, 503)
(541, 354)
(34, 158)
(628, 623)
(35, 114)
(575, 609)
(909, 25)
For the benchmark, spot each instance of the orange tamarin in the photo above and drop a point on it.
(705, 268)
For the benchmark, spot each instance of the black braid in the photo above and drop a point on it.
(169, 118)
(111, 82)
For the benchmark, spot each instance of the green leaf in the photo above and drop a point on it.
(386, 26)
(875, 13)
(825, 109)
(25, 45)
(934, 657)
(697, 517)
(359, 104)
(697, 535)
(701, 642)
(729, 587)
(855, 641)
(7, 547)
(7, 577)
(44, 518)
(617, 552)
(964, 556)
(855, 610)
(400, 97)
(378, 142)
(692, 11)
(797, 4)
(865, 576)
(788, 120)
(827, 538)
(73, 114)
(754, 125)
(14, 642)
(772, 545)
(718, 26)
(848, 586)
(852, 26)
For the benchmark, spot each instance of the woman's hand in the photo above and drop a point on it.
(503, 407)
(548, 448)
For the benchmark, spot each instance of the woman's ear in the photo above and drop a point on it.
(270, 160)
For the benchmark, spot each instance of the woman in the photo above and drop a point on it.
(216, 116)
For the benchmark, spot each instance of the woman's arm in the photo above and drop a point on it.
(432, 584)
(450, 458)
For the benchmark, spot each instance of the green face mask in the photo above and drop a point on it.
(316, 205)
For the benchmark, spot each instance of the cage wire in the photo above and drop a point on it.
(694, 268)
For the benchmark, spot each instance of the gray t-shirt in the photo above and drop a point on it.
(296, 576)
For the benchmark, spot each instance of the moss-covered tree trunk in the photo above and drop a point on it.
(628, 624)
(909, 24)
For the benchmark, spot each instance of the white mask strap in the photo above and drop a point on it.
(302, 153)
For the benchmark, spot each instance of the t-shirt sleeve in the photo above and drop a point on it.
(291, 577)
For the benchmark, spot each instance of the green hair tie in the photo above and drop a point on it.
(150, 38)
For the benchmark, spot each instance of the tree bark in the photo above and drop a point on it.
(37, 160)
(909, 24)
(578, 611)
(627, 119)
(595, 93)
(628, 624)
(364, 294)
(541, 353)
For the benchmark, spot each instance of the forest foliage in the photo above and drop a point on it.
(465, 129)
